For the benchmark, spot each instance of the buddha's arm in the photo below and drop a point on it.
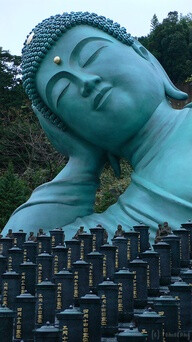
(57, 203)
(68, 196)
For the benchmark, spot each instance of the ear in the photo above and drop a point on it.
(170, 89)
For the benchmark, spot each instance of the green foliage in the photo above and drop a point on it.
(13, 192)
(111, 187)
(12, 94)
(171, 43)
(154, 22)
(24, 142)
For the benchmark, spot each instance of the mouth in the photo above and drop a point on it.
(101, 98)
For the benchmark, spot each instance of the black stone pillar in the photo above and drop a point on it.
(11, 285)
(90, 306)
(25, 317)
(71, 325)
(28, 277)
(5, 244)
(15, 258)
(139, 267)
(98, 237)
(108, 291)
(64, 289)
(175, 243)
(86, 242)
(81, 279)
(74, 251)
(19, 238)
(47, 333)
(124, 280)
(188, 226)
(164, 251)
(169, 307)
(95, 259)
(144, 236)
(57, 237)
(131, 335)
(45, 305)
(3, 268)
(30, 251)
(121, 243)
(133, 244)
(152, 258)
(43, 244)
(6, 324)
(181, 290)
(110, 260)
(184, 234)
(151, 323)
(187, 276)
(60, 258)
(44, 263)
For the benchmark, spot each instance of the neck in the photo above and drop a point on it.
(161, 185)
(150, 140)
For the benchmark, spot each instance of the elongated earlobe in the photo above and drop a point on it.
(170, 89)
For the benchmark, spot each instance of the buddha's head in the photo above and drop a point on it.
(85, 72)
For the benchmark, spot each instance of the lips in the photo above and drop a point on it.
(101, 98)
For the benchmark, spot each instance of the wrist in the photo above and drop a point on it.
(82, 169)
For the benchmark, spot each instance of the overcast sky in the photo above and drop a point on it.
(18, 17)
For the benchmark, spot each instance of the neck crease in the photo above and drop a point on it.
(164, 122)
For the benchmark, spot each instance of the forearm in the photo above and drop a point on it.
(57, 203)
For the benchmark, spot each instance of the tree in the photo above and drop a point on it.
(13, 192)
(171, 43)
(172, 17)
(12, 93)
(154, 22)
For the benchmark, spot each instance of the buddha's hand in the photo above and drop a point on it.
(66, 142)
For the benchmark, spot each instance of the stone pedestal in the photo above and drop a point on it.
(175, 242)
(6, 324)
(124, 279)
(108, 291)
(110, 260)
(139, 267)
(25, 317)
(57, 237)
(64, 289)
(144, 236)
(71, 325)
(47, 333)
(153, 271)
(90, 306)
(164, 251)
(44, 263)
(46, 303)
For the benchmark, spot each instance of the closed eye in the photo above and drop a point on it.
(93, 56)
(62, 93)
(56, 87)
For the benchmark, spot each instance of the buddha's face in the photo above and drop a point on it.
(102, 89)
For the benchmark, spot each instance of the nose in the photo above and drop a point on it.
(88, 84)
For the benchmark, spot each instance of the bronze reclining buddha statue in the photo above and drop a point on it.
(100, 95)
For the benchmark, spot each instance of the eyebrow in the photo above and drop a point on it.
(77, 49)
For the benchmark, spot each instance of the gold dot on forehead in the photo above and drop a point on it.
(57, 60)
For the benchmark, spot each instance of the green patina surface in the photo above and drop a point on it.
(100, 95)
